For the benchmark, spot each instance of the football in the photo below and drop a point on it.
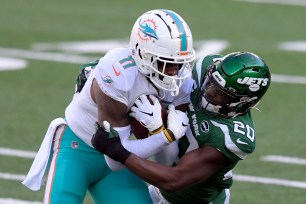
(142, 132)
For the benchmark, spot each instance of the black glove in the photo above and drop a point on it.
(107, 141)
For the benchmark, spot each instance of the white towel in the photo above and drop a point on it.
(34, 179)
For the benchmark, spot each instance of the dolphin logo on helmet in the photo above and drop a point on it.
(147, 30)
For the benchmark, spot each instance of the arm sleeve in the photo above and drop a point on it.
(168, 155)
(143, 148)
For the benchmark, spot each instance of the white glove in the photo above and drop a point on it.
(156, 195)
(177, 122)
(147, 114)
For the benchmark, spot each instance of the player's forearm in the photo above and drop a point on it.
(143, 148)
(161, 176)
(147, 147)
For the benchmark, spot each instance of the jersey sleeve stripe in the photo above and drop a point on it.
(229, 142)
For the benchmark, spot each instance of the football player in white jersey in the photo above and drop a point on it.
(158, 62)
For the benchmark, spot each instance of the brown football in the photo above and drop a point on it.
(140, 131)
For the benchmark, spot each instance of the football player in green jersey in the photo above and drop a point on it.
(221, 133)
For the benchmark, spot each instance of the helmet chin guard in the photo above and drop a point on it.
(162, 36)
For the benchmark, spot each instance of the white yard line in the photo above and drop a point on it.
(17, 201)
(295, 46)
(45, 56)
(284, 159)
(272, 181)
(12, 63)
(17, 153)
(13, 177)
(283, 2)
(278, 78)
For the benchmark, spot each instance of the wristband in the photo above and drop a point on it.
(168, 136)
(157, 131)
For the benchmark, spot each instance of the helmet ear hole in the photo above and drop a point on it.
(255, 69)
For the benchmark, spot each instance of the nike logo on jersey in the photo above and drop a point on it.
(240, 141)
(115, 70)
(150, 114)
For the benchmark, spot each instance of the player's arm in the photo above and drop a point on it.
(194, 167)
(115, 113)
(109, 109)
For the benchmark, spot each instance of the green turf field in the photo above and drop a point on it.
(31, 33)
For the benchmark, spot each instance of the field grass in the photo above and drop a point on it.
(32, 97)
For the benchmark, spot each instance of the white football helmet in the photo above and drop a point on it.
(162, 36)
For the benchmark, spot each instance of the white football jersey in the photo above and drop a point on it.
(119, 78)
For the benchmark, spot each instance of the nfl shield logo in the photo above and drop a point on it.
(205, 126)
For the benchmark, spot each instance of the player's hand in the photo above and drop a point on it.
(177, 122)
(149, 115)
(107, 141)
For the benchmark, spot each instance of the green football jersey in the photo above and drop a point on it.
(234, 137)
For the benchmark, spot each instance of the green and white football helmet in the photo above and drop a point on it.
(232, 85)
